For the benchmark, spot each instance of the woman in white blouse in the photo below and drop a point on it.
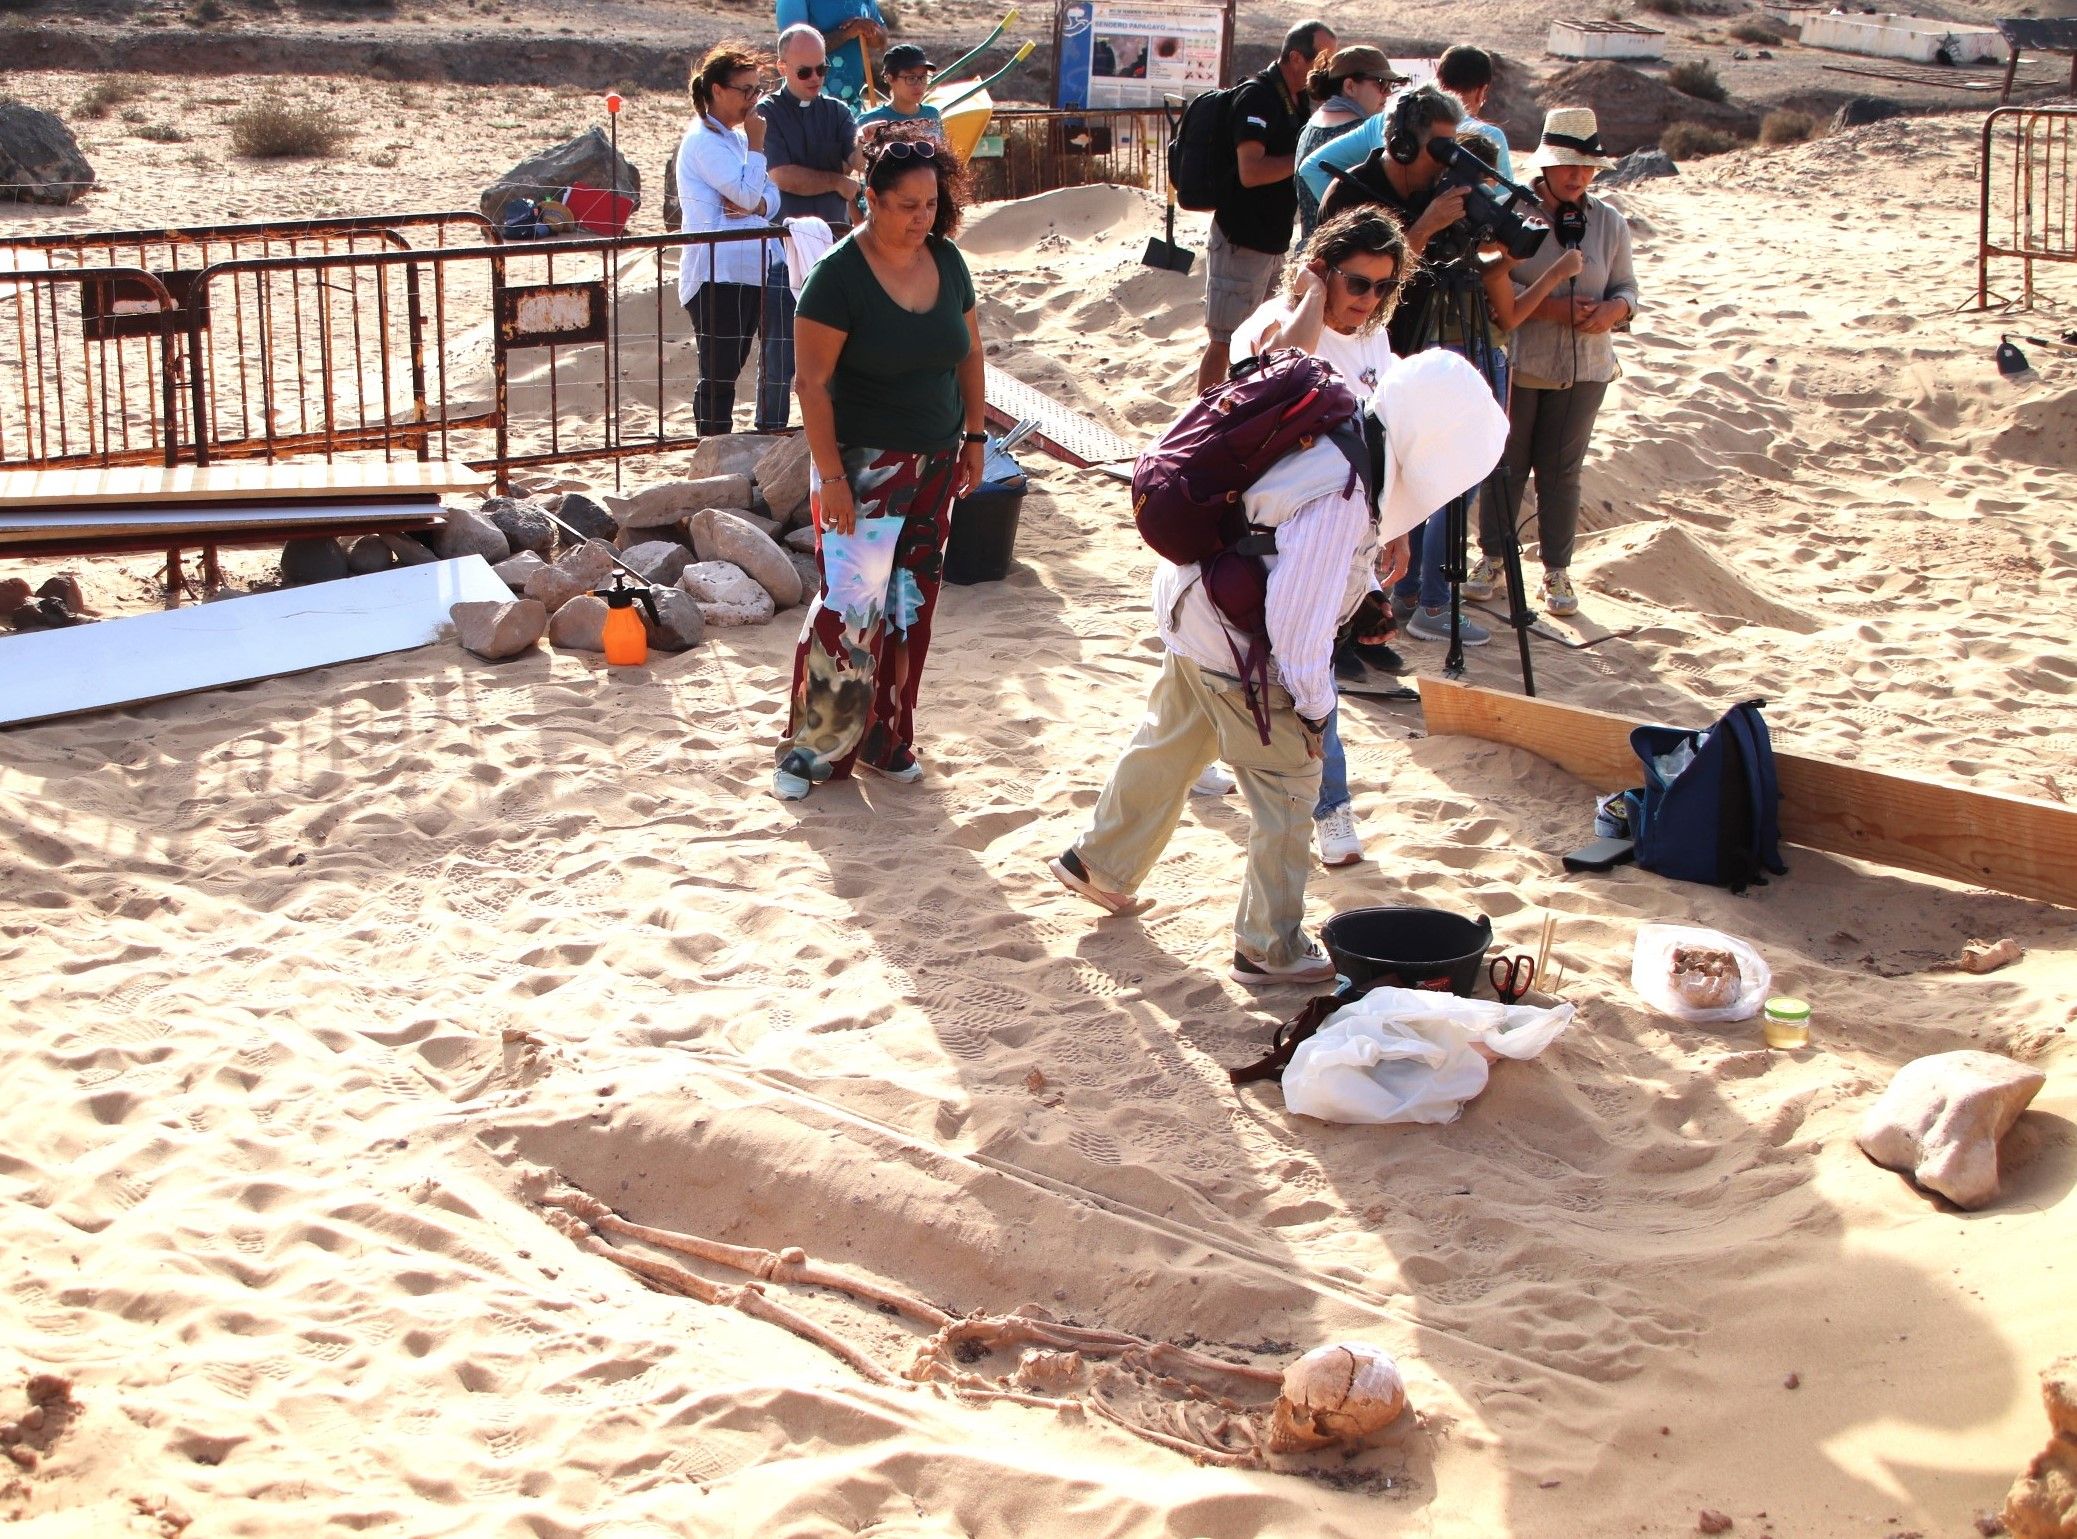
(723, 185)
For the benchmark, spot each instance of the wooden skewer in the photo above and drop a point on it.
(1543, 944)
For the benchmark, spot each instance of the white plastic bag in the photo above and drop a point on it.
(1651, 973)
(1410, 1055)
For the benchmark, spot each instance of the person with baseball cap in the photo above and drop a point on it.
(908, 75)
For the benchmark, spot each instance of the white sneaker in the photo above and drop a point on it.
(1213, 782)
(1314, 966)
(1335, 833)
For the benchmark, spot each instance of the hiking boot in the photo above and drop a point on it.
(1484, 576)
(1312, 966)
(1334, 831)
(1558, 596)
(1214, 781)
(1380, 657)
(1434, 625)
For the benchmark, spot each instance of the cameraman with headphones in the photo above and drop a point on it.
(1401, 175)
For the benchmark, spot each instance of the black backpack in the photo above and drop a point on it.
(1203, 166)
(1717, 819)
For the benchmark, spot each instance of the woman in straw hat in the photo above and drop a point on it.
(1563, 357)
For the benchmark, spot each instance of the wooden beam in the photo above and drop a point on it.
(242, 481)
(2010, 843)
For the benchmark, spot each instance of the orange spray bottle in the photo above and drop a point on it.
(626, 638)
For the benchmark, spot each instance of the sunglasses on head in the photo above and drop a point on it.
(810, 71)
(909, 149)
(1360, 285)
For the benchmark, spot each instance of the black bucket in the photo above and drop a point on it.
(1409, 948)
(984, 536)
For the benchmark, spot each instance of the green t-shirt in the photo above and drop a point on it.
(896, 384)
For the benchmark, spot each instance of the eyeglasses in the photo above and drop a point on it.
(746, 88)
(914, 76)
(1360, 285)
(906, 149)
(811, 71)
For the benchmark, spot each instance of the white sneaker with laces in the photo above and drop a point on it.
(1213, 782)
(1314, 966)
(1334, 831)
(1482, 579)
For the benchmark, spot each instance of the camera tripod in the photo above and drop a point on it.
(1454, 311)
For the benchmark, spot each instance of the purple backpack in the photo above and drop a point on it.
(1186, 487)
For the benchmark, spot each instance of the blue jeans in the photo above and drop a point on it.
(775, 363)
(1428, 545)
(1334, 768)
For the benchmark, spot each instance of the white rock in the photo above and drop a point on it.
(492, 630)
(574, 572)
(518, 571)
(469, 534)
(718, 535)
(408, 551)
(782, 477)
(658, 560)
(668, 502)
(730, 454)
(684, 622)
(580, 625)
(1941, 1119)
(727, 595)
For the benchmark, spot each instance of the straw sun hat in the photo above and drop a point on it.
(1571, 137)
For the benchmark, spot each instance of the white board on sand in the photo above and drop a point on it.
(147, 657)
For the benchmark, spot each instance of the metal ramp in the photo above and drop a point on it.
(1063, 433)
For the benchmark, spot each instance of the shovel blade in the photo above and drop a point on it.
(1168, 256)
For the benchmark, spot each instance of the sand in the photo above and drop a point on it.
(316, 983)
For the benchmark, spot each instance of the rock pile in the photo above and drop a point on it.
(53, 606)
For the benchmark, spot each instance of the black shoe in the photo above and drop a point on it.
(1380, 657)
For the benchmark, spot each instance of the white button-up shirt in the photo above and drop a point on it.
(716, 163)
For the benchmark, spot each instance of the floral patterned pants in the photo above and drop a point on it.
(860, 660)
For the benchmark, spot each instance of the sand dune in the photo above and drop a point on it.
(317, 981)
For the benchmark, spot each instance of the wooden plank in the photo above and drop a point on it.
(204, 525)
(147, 657)
(2010, 843)
(242, 481)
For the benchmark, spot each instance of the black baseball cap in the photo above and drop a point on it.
(903, 57)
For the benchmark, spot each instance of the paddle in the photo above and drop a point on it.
(1017, 58)
(950, 70)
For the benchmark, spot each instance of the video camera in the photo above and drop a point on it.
(1487, 217)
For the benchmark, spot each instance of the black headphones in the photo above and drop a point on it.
(1402, 139)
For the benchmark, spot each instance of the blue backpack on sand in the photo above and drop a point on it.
(1710, 807)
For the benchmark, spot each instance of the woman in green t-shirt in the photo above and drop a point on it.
(889, 370)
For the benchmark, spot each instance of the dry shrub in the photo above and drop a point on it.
(1697, 78)
(1666, 7)
(1695, 141)
(162, 133)
(1785, 125)
(1758, 29)
(104, 96)
(275, 128)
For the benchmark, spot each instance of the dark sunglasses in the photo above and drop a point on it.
(811, 71)
(1382, 82)
(909, 149)
(1360, 285)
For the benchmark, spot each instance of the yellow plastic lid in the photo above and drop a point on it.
(1783, 1008)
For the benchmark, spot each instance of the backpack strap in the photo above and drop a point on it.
(1362, 443)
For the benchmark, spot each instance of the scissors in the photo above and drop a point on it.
(1511, 977)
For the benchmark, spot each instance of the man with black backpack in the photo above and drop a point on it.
(1249, 622)
(1255, 211)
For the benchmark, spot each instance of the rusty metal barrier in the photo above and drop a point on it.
(53, 351)
(527, 353)
(79, 382)
(1047, 148)
(2027, 197)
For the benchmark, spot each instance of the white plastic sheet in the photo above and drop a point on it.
(1409, 1055)
(1651, 973)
